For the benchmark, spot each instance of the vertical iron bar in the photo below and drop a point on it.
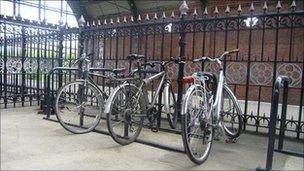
(44, 70)
(193, 38)
(225, 40)
(33, 74)
(38, 65)
(247, 75)
(276, 46)
(301, 103)
(283, 116)
(60, 56)
(161, 93)
(182, 57)
(5, 66)
(258, 110)
(104, 57)
(23, 51)
(204, 43)
(291, 38)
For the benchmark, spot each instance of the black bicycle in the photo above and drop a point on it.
(79, 104)
(129, 103)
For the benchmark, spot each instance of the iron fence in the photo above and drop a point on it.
(270, 43)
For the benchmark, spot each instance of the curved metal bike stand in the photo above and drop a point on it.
(48, 89)
(141, 141)
(281, 81)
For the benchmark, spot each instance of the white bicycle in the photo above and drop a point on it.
(202, 114)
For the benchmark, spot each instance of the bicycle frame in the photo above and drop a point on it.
(216, 106)
(86, 77)
(144, 91)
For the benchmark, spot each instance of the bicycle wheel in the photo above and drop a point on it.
(170, 105)
(231, 114)
(79, 107)
(197, 129)
(124, 114)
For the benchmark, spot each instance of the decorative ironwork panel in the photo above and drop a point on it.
(236, 73)
(261, 73)
(293, 71)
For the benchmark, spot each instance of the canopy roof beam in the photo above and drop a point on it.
(134, 9)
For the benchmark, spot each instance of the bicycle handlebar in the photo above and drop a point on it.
(218, 58)
(84, 57)
(162, 64)
(135, 57)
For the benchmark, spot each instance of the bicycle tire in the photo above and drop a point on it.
(170, 105)
(204, 153)
(236, 110)
(89, 112)
(116, 114)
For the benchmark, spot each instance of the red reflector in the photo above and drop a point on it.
(188, 80)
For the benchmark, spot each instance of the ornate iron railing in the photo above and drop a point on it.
(270, 43)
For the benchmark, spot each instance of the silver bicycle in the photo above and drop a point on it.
(202, 113)
(129, 104)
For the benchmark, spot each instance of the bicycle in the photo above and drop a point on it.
(129, 104)
(79, 104)
(202, 114)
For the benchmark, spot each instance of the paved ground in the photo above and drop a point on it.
(29, 142)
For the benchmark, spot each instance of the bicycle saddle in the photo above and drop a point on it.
(118, 70)
(135, 56)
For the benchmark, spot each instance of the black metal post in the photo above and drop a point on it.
(5, 67)
(272, 124)
(248, 69)
(23, 51)
(273, 117)
(60, 56)
(182, 44)
(283, 116)
(39, 47)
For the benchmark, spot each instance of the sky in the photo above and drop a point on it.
(32, 12)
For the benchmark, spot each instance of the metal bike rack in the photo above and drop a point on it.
(48, 88)
(281, 81)
(181, 65)
(48, 112)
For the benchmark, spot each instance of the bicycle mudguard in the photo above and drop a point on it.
(110, 99)
(186, 97)
(212, 80)
(166, 91)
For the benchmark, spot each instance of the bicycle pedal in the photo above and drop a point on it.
(154, 129)
(231, 140)
(217, 137)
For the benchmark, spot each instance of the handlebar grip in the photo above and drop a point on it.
(234, 51)
(200, 59)
(197, 60)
